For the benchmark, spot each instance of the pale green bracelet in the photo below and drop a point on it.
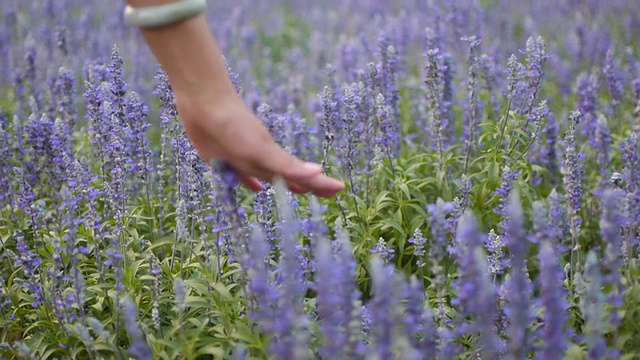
(162, 15)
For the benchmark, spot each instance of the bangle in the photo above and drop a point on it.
(162, 15)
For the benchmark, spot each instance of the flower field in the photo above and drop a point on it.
(490, 151)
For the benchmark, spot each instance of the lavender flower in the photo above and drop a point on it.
(30, 262)
(475, 294)
(435, 99)
(614, 78)
(63, 96)
(592, 302)
(438, 220)
(553, 302)
(385, 138)
(385, 252)
(265, 209)
(338, 301)
(572, 179)
(631, 160)
(328, 123)
(494, 245)
(264, 295)
(549, 153)
(418, 241)
(504, 191)
(586, 88)
(473, 106)
(291, 336)
(518, 287)
(139, 347)
(515, 87)
(603, 147)
(388, 74)
(419, 322)
(558, 222)
(611, 222)
(383, 305)
(536, 57)
(350, 121)
(460, 205)
(6, 168)
(136, 117)
(329, 301)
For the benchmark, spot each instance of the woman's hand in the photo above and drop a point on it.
(217, 121)
(225, 129)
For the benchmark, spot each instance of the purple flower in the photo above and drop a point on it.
(516, 73)
(631, 161)
(614, 78)
(438, 221)
(338, 300)
(418, 241)
(290, 332)
(536, 57)
(139, 347)
(592, 304)
(549, 153)
(385, 138)
(330, 303)
(385, 252)
(350, 120)
(518, 289)
(558, 222)
(136, 117)
(587, 88)
(473, 106)
(504, 191)
(572, 171)
(382, 308)
(475, 293)
(434, 88)
(6, 167)
(30, 262)
(419, 321)
(388, 88)
(611, 222)
(264, 295)
(495, 256)
(553, 302)
(460, 205)
(328, 123)
(265, 209)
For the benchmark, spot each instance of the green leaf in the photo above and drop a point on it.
(575, 352)
(215, 350)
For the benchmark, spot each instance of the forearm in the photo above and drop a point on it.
(190, 56)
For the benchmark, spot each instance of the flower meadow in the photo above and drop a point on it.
(490, 151)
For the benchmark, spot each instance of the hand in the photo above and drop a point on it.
(216, 120)
(227, 130)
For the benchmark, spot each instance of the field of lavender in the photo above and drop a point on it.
(489, 147)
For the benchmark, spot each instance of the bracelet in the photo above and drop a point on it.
(162, 15)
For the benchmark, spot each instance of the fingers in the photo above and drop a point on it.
(250, 182)
(321, 185)
(306, 176)
(247, 146)
(297, 189)
(278, 162)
